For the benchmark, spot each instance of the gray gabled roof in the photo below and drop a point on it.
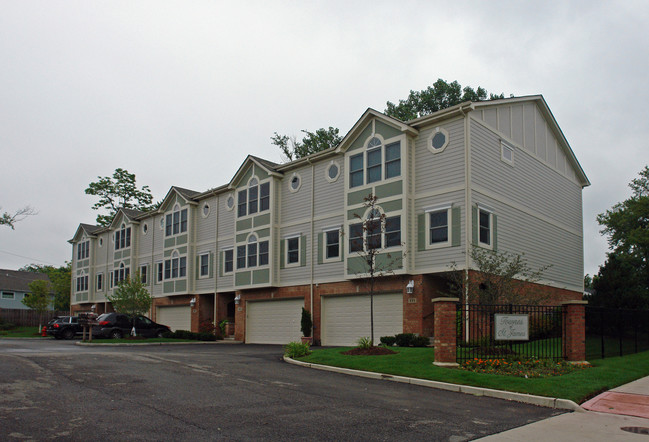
(17, 281)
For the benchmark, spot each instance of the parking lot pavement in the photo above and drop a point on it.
(56, 390)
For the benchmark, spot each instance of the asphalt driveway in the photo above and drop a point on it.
(54, 390)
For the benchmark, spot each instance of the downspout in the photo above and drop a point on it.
(153, 273)
(313, 248)
(468, 214)
(216, 258)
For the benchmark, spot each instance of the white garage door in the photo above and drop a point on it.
(347, 318)
(176, 318)
(273, 322)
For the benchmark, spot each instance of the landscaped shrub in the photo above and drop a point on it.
(404, 339)
(206, 336)
(185, 334)
(296, 349)
(388, 341)
(420, 341)
(364, 342)
(7, 325)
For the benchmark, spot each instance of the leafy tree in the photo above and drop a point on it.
(9, 219)
(500, 278)
(434, 98)
(623, 281)
(369, 246)
(312, 142)
(618, 284)
(131, 297)
(38, 299)
(60, 277)
(119, 191)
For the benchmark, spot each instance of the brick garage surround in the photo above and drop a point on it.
(178, 300)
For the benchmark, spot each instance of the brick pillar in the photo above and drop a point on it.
(574, 331)
(445, 331)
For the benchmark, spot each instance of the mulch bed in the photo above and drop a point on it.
(374, 351)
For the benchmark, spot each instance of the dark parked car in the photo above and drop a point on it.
(64, 327)
(117, 325)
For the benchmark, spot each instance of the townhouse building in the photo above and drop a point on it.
(278, 237)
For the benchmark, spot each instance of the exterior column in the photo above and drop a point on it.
(445, 332)
(574, 331)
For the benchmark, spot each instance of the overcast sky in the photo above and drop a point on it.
(180, 92)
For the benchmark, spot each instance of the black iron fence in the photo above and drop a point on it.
(498, 331)
(615, 332)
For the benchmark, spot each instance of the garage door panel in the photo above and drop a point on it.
(345, 319)
(273, 322)
(176, 318)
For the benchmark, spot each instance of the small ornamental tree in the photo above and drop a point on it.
(131, 297)
(366, 241)
(38, 299)
(306, 323)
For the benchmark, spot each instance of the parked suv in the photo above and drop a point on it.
(64, 327)
(117, 325)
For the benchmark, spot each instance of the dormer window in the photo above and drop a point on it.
(256, 198)
(123, 238)
(380, 161)
(176, 222)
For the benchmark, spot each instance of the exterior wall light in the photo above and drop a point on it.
(237, 299)
(410, 287)
(192, 303)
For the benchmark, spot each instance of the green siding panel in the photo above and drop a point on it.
(117, 257)
(263, 233)
(358, 197)
(303, 251)
(168, 253)
(356, 265)
(390, 189)
(244, 178)
(221, 262)
(356, 214)
(126, 253)
(182, 250)
(170, 242)
(241, 237)
(261, 220)
(261, 276)
(359, 142)
(421, 232)
(474, 224)
(182, 239)
(181, 286)
(456, 226)
(261, 173)
(242, 278)
(168, 287)
(495, 232)
(385, 262)
(392, 206)
(385, 130)
(320, 247)
(282, 251)
(211, 270)
(244, 224)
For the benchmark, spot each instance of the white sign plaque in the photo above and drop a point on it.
(512, 327)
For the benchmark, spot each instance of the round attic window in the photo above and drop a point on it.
(229, 203)
(206, 210)
(438, 140)
(145, 228)
(333, 171)
(295, 183)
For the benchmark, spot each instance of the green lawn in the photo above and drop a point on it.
(21, 332)
(418, 363)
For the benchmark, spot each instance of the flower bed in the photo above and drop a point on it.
(525, 368)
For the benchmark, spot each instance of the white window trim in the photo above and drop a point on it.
(148, 273)
(145, 229)
(234, 260)
(324, 244)
(327, 177)
(299, 250)
(200, 256)
(209, 210)
(234, 202)
(384, 142)
(429, 141)
(13, 295)
(449, 223)
(490, 211)
(505, 146)
(299, 182)
(159, 277)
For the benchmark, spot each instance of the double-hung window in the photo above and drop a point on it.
(438, 221)
(144, 274)
(204, 265)
(176, 222)
(228, 261)
(378, 162)
(375, 232)
(254, 199)
(176, 267)
(293, 250)
(100, 282)
(332, 244)
(159, 272)
(123, 238)
(121, 274)
(484, 227)
(253, 254)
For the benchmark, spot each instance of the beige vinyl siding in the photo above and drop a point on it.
(301, 273)
(330, 270)
(329, 196)
(444, 169)
(529, 182)
(206, 227)
(226, 217)
(295, 206)
(439, 258)
(225, 281)
(541, 242)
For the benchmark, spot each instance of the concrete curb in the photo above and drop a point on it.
(542, 401)
(149, 344)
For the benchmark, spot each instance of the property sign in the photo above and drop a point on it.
(512, 327)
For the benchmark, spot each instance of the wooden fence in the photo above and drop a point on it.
(28, 318)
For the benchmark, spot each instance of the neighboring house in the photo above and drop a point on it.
(279, 237)
(14, 287)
